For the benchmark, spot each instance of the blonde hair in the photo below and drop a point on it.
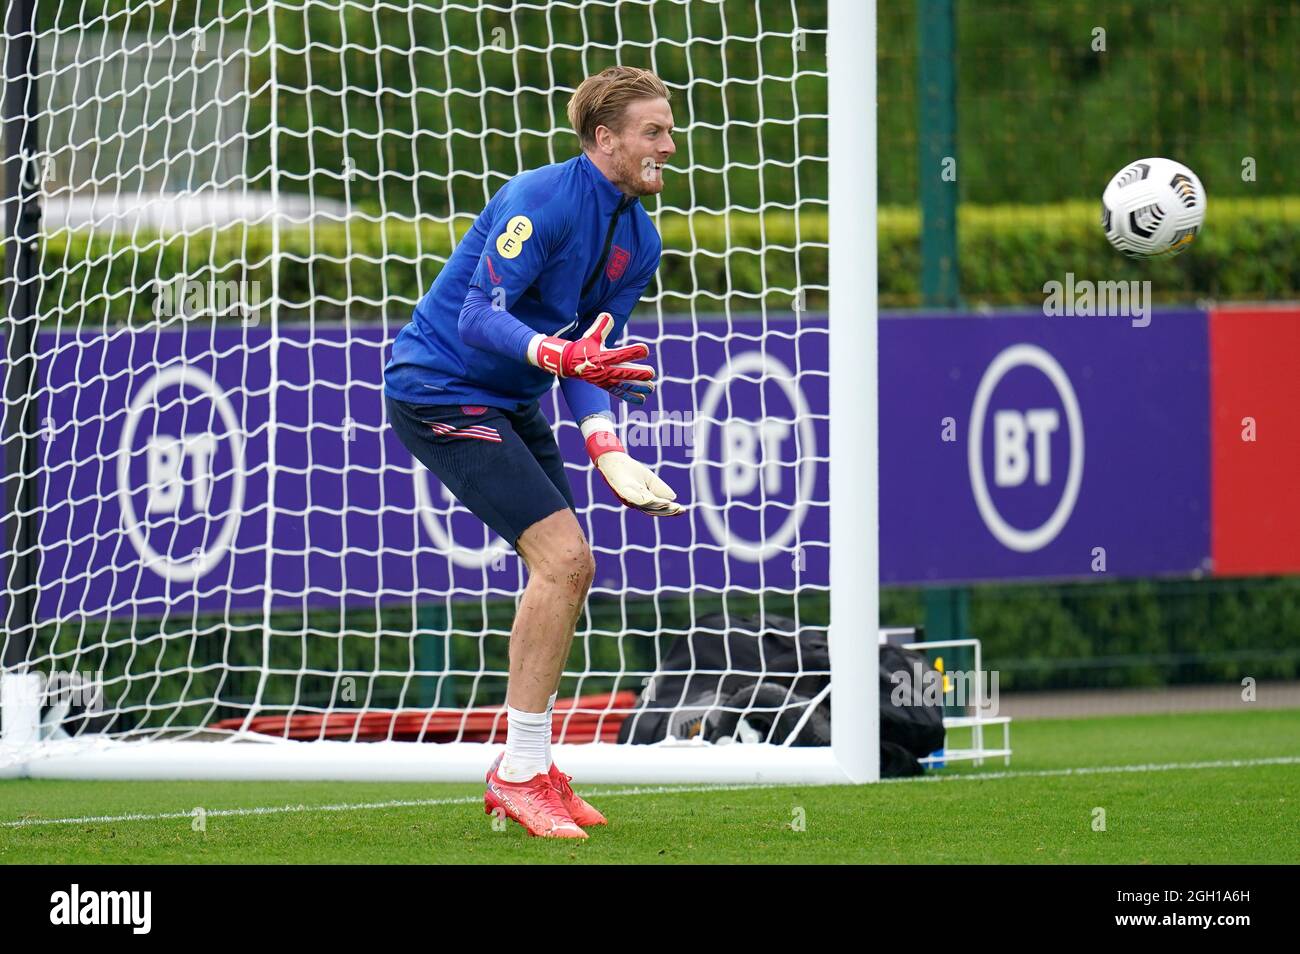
(601, 99)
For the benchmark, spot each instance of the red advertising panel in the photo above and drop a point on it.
(1255, 440)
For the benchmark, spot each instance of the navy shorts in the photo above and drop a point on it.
(504, 466)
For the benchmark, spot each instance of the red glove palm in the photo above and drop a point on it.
(589, 359)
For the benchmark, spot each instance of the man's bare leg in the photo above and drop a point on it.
(560, 570)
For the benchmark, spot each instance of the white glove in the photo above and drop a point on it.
(632, 482)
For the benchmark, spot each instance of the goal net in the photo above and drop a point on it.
(219, 560)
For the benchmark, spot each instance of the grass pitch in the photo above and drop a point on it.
(1200, 788)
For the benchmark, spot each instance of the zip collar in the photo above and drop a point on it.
(608, 197)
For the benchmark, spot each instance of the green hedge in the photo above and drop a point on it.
(1139, 632)
(1042, 114)
(359, 269)
(1129, 633)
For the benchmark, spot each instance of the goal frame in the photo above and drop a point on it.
(852, 757)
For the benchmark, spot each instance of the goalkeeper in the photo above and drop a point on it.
(542, 282)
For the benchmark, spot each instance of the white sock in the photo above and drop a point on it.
(550, 709)
(528, 735)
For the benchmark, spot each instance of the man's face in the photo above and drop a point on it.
(638, 151)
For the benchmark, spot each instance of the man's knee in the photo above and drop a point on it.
(579, 568)
(569, 563)
(559, 554)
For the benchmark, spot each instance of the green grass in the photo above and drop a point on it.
(1237, 814)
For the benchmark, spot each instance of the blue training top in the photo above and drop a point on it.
(554, 248)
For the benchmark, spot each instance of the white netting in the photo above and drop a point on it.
(242, 203)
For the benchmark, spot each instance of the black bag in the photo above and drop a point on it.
(749, 649)
(756, 678)
(917, 728)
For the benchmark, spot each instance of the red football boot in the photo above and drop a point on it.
(535, 804)
(580, 810)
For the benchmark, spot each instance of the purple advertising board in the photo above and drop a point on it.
(161, 494)
(1021, 446)
(1011, 447)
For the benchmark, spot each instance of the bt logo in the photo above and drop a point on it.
(167, 458)
(1011, 434)
(752, 450)
(754, 468)
(1026, 440)
(191, 438)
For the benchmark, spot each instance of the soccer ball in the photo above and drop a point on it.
(1153, 207)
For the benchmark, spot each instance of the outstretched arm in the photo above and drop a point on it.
(488, 326)
(632, 482)
(584, 399)
(506, 268)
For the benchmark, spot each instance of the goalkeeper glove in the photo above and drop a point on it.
(632, 482)
(588, 358)
(633, 392)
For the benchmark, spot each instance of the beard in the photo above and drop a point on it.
(639, 176)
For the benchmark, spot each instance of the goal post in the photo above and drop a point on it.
(854, 471)
(232, 570)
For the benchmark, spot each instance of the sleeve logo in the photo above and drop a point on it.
(511, 241)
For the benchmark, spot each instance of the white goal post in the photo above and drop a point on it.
(219, 562)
